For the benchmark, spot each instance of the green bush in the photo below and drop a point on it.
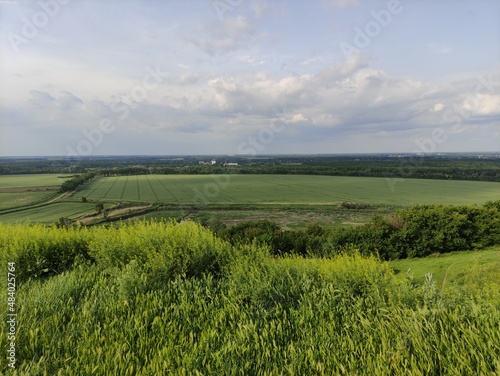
(40, 251)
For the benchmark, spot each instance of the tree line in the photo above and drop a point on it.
(419, 231)
(419, 167)
(77, 180)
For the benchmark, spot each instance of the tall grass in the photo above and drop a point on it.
(156, 298)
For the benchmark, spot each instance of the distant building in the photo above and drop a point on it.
(230, 164)
(213, 162)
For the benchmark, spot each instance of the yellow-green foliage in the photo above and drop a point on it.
(169, 299)
(41, 251)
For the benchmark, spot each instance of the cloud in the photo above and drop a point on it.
(66, 100)
(41, 98)
(259, 6)
(341, 3)
(486, 105)
(193, 128)
(340, 100)
(437, 107)
(221, 37)
(187, 78)
(298, 118)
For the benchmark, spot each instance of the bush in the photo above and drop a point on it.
(163, 250)
(354, 205)
(40, 251)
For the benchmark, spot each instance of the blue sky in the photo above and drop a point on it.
(248, 76)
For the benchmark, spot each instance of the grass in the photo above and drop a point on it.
(31, 180)
(11, 200)
(21, 191)
(285, 190)
(49, 213)
(153, 298)
(453, 266)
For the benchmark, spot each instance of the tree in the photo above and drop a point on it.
(63, 222)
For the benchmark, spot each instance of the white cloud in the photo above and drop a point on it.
(298, 118)
(227, 81)
(437, 107)
(484, 105)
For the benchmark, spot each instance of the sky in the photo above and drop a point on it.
(110, 77)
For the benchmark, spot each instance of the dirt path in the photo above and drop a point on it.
(446, 275)
(58, 197)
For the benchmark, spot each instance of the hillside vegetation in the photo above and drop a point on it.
(153, 298)
(418, 231)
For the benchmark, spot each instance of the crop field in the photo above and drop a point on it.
(49, 213)
(292, 201)
(10, 200)
(285, 189)
(31, 180)
(20, 191)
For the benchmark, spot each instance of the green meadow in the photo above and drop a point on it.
(290, 200)
(448, 268)
(285, 190)
(31, 180)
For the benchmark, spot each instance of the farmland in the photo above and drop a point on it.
(35, 198)
(9, 200)
(148, 297)
(31, 180)
(49, 213)
(291, 200)
(284, 190)
(26, 190)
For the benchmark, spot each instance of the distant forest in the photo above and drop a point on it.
(480, 167)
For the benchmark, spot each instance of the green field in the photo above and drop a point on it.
(31, 180)
(452, 266)
(290, 200)
(49, 213)
(23, 191)
(10, 200)
(285, 190)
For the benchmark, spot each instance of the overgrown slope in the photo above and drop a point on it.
(156, 298)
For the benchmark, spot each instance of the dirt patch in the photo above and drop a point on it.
(115, 212)
(112, 213)
(232, 222)
(352, 223)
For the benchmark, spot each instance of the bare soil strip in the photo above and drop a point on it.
(112, 213)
